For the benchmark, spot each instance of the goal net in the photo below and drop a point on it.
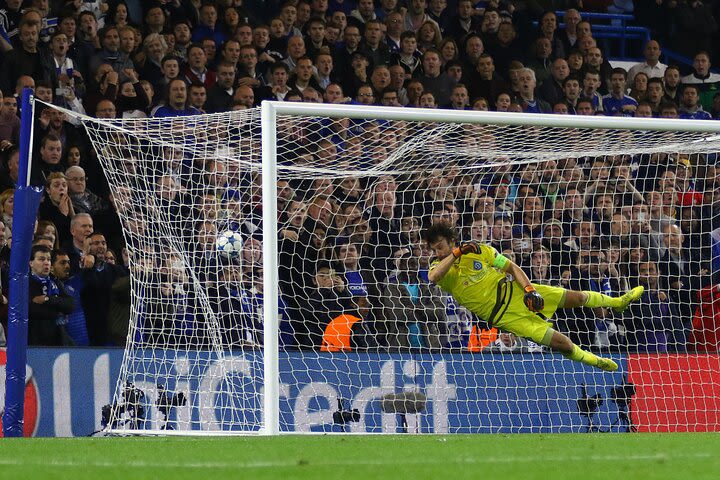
(361, 341)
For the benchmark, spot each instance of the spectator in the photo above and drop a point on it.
(638, 87)
(7, 203)
(81, 226)
(197, 97)
(551, 89)
(248, 72)
(433, 80)
(49, 303)
(459, 99)
(413, 313)
(416, 15)
(176, 105)
(197, 70)
(654, 95)
(244, 96)
(616, 102)
(569, 35)
(76, 326)
(649, 322)
(88, 42)
(154, 50)
(83, 200)
(24, 60)
(183, 39)
(408, 56)
(60, 69)
(219, 97)
(372, 45)
(303, 76)
(548, 30)
(98, 278)
(207, 26)
(324, 67)
(671, 81)
(132, 100)
(554, 242)
(110, 54)
(464, 22)
(9, 125)
(278, 88)
(689, 106)
(652, 67)
(596, 326)
(329, 299)
(590, 86)
(540, 60)
(484, 81)
(681, 277)
(393, 30)
(56, 205)
(104, 88)
(295, 50)
(526, 95)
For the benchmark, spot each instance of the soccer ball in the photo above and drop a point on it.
(229, 243)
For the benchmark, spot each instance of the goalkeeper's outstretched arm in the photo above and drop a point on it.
(532, 299)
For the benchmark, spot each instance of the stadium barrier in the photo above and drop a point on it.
(67, 388)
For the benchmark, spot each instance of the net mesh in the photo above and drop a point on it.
(360, 325)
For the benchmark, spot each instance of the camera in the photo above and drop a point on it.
(343, 416)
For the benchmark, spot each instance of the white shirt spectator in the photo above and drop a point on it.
(652, 71)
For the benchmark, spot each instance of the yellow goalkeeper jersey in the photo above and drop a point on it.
(473, 281)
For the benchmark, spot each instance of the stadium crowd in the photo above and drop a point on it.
(353, 265)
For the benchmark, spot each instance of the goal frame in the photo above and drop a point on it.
(270, 110)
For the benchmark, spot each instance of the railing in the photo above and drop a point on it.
(617, 29)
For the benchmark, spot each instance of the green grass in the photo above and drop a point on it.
(548, 457)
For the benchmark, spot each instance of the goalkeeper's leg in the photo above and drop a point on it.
(577, 299)
(557, 341)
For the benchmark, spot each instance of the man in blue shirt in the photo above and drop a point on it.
(616, 103)
(176, 104)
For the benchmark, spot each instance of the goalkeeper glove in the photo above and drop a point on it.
(466, 247)
(533, 300)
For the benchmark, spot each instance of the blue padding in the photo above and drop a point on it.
(27, 201)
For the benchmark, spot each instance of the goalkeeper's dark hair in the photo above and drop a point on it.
(440, 230)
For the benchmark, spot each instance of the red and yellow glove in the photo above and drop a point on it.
(533, 300)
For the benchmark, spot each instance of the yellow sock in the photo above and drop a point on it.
(597, 299)
(580, 355)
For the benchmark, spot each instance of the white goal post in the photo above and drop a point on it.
(402, 357)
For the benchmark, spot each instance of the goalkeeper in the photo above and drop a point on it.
(498, 291)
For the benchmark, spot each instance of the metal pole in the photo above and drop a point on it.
(271, 399)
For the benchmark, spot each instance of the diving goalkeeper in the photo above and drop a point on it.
(498, 291)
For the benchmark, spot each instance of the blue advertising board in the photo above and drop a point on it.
(499, 393)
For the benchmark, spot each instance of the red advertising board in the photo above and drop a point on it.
(675, 393)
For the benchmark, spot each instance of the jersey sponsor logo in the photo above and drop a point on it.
(477, 265)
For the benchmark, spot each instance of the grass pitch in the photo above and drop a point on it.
(548, 457)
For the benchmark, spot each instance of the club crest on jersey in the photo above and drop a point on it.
(477, 265)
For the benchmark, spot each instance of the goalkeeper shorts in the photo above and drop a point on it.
(524, 323)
